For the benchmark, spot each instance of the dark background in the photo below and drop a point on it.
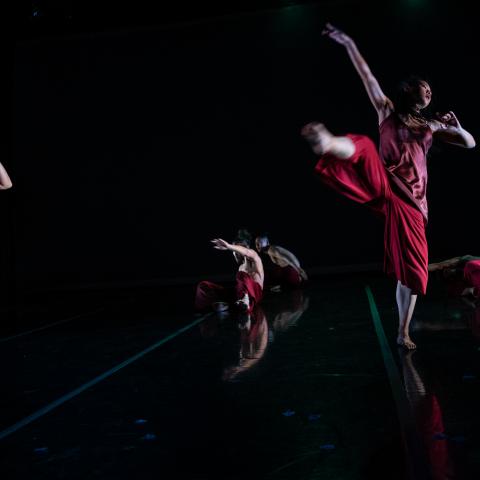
(141, 133)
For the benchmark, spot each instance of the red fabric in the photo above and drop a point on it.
(207, 293)
(286, 277)
(364, 179)
(404, 152)
(429, 419)
(246, 284)
(290, 277)
(471, 272)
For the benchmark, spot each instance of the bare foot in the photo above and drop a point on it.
(243, 304)
(406, 341)
(317, 136)
(467, 291)
(220, 307)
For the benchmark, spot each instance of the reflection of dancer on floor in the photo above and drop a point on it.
(290, 314)
(428, 416)
(392, 183)
(463, 273)
(5, 181)
(248, 289)
(282, 268)
(253, 342)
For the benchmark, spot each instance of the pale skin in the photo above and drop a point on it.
(445, 127)
(283, 258)
(250, 353)
(249, 260)
(287, 318)
(5, 181)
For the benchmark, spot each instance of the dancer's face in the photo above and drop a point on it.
(422, 94)
(261, 243)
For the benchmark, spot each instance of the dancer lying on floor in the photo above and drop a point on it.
(462, 274)
(282, 268)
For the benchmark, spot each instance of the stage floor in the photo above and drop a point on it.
(133, 384)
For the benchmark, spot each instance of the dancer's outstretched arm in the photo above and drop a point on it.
(383, 105)
(448, 129)
(221, 244)
(5, 181)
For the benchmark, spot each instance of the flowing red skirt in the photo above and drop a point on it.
(364, 179)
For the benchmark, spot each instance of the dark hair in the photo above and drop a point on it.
(402, 97)
(244, 237)
(263, 236)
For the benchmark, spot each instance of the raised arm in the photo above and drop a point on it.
(383, 105)
(448, 129)
(221, 244)
(5, 181)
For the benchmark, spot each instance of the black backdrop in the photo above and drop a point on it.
(133, 149)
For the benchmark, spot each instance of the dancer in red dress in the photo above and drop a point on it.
(5, 181)
(393, 181)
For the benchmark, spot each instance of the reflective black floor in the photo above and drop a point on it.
(134, 385)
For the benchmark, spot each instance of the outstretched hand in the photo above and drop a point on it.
(220, 244)
(449, 119)
(335, 34)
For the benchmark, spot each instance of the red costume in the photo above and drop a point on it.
(208, 293)
(286, 277)
(430, 422)
(471, 274)
(394, 187)
(246, 284)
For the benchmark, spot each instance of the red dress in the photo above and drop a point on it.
(393, 186)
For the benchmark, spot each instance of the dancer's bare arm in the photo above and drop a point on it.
(450, 263)
(448, 129)
(221, 244)
(5, 181)
(383, 105)
(282, 254)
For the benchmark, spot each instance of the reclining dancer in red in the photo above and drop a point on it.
(282, 267)
(463, 273)
(393, 182)
(248, 282)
